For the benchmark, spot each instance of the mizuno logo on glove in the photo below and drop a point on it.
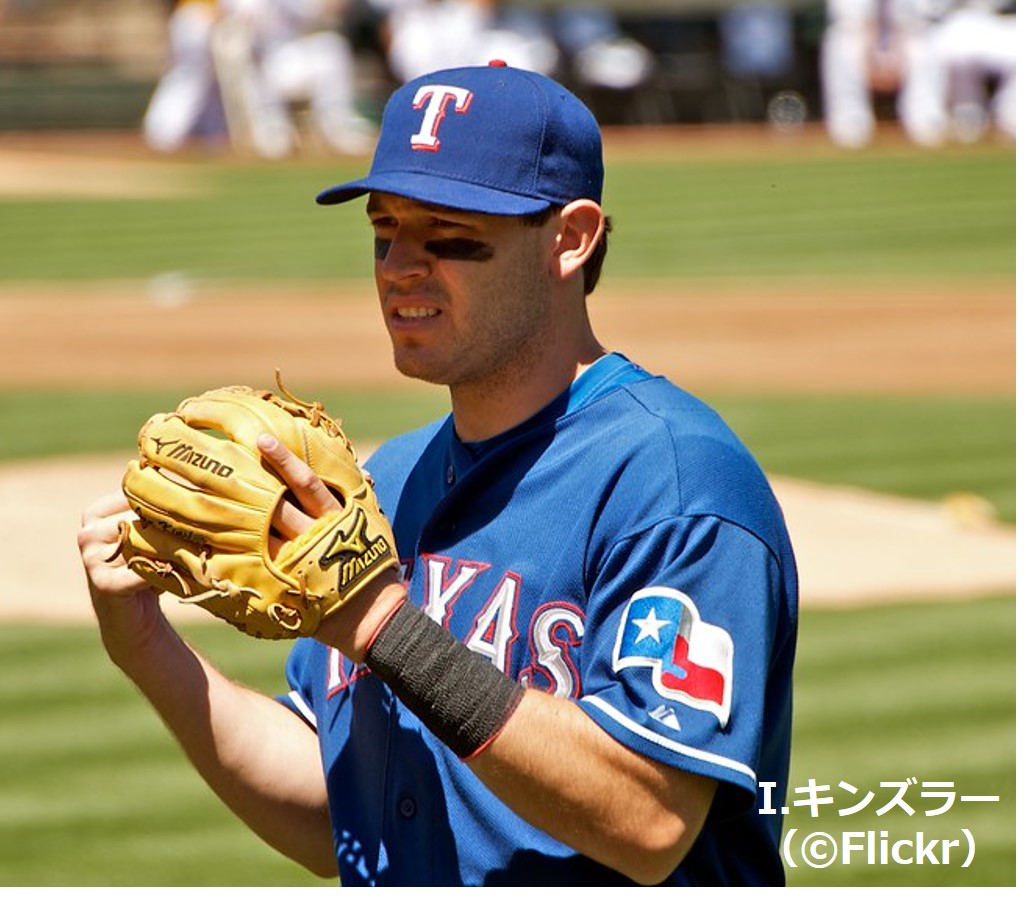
(188, 454)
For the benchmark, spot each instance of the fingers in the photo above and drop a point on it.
(127, 609)
(289, 522)
(111, 504)
(100, 533)
(314, 498)
(99, 539)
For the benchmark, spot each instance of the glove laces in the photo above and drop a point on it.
(313, 411)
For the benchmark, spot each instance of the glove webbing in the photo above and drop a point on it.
(314, 412)
(461, 697)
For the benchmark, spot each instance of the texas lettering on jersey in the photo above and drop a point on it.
(554, 631)
(661, 632)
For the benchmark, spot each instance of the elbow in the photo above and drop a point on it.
(324, 870)
(657, 857)
(655, 850)
(322, 862)
(665, 835)
(313, 852)
(318, 863)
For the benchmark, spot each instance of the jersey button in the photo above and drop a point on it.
(450, 475)
(407, 808)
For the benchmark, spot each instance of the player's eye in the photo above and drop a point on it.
(459, 249)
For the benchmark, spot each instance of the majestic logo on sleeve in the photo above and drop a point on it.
(435, 101)
(691, 661)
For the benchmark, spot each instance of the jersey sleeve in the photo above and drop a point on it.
(678, 654)
(298, 673)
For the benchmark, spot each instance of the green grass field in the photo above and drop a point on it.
(95, 792)
(889, 214)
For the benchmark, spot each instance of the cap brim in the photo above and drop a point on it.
(430, 189)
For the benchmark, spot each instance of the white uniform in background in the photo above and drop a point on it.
(428, 35)
(966, 83)
(277, 53)
(187, 91)
(939, 58)
(868, 46)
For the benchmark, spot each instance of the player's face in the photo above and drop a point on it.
(466, 297)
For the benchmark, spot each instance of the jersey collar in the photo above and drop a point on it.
(609, 372)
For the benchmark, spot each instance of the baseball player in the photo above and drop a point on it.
(870, 47)
(964, 82)
(424, 35)
(186, 96)
(583, 674)
(272, 54)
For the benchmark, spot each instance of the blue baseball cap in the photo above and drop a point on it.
(491, 139)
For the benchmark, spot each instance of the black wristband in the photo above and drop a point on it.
(460, 696)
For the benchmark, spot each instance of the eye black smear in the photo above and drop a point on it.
(460, 249)
(381, 247)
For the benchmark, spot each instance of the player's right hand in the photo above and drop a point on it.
(125, 605)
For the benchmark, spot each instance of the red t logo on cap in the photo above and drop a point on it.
(435, 101)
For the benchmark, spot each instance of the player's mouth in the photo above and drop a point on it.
(418, 313)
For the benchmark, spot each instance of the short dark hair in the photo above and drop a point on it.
(593, 265)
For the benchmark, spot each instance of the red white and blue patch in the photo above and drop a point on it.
(691, 661)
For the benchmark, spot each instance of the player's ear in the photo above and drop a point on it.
(580, 229)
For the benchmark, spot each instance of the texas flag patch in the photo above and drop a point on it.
(691, 661)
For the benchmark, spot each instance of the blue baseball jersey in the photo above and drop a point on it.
(621, 549)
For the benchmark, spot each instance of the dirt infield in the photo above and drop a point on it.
(942, 338)
(853, 547)
(795, 337)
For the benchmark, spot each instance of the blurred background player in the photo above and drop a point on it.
(579, 40)
(965, 85)
(867, 49)
(421, 36)
(244, 68)
(274, 56)
(186, 101)
(949, 66)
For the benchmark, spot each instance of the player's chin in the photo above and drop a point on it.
(417, 364)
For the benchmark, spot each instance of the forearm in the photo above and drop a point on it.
(557, 769)
(259, 758)
(276, 788)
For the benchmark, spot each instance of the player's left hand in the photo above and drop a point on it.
(254, 507)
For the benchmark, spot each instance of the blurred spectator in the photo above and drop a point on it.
(599, 54)
(757, 39)
(273, 55)
(758, 55)
(186, 101)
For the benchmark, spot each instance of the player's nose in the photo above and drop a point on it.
(402, 256)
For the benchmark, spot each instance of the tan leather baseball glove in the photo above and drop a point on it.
(205, 501)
